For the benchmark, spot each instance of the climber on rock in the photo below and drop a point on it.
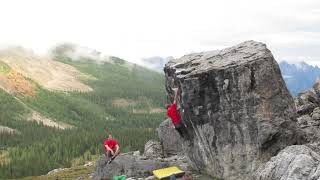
(112, 148)
(174, 115)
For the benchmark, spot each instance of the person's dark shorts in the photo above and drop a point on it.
(178, 126)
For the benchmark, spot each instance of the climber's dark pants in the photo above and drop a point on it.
(181, 130)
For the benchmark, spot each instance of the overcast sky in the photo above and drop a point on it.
(134, 29)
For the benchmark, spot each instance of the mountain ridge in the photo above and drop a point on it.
(299, 76)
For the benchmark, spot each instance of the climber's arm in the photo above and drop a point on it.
(176, 94)
(117, 149)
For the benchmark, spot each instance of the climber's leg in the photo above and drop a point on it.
(173, 177)
(179, 127)
(183, 132)
(108, 154)
(116, 153)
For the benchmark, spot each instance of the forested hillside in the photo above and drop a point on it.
(126, 100)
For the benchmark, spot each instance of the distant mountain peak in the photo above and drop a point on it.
(299, 76)
(298, 64)
(302, 65)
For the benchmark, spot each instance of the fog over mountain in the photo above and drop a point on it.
(299, 76)
(155, 62)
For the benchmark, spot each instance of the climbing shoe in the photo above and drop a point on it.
(110, 160)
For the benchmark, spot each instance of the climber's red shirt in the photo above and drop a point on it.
(174, 114)
(111, 143)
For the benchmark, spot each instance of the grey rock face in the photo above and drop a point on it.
(128, 164)
(236, 107)
(299, 162)
(304, 120)
(153, 149)
(316, 114)
(170, 140)
(308, 109)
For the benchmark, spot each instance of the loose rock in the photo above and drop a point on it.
(170, 140)
(153, 149)
(299, 162)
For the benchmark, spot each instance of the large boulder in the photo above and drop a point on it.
(170, 140)
(299, 162)
(236, 107)
(127, 164)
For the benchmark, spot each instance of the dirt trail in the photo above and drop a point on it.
(5, 129)
(35, 116)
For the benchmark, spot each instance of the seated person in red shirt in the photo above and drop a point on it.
(174, 115)
(112, 148)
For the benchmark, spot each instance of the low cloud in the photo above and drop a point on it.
(290, 28)
(76, 52)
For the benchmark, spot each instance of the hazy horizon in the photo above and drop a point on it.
(141, 29)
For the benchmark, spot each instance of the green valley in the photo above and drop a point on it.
(126, 99)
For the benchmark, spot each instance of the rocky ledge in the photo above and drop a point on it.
(299, 162)
(130, 164)
(135, 166)
(308, 109)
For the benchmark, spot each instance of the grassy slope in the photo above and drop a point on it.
(92, 113)
(4, 68)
